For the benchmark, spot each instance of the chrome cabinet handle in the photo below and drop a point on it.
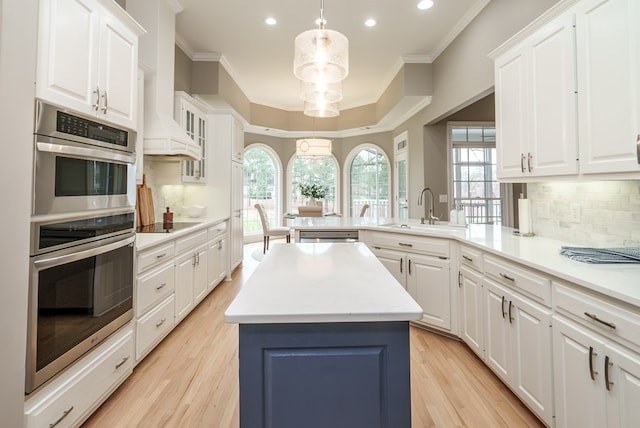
(595, 318)
(591, 355)
(161, 286)
(507, 277)
(522, 162)
(607, 364)
(529, 158)
(402, 244)
(124, 360)
(510, 317)
(469, 259)
(106, 102)
(161, 322)
(96, 106)
(504, 314)
(65, 413)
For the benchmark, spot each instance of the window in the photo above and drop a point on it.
(313, 170)
(475, 188)
(261, 184)
(369, 182)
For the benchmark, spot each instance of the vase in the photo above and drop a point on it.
(312, 202)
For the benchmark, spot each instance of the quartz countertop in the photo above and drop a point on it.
(147, 240)
(321, 282)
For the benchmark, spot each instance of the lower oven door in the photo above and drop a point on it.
(77, 297)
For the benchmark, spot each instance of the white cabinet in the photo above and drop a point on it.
(217, 267)
(236, 237)
(88, 59)
(596, 360)
(191, 272)
(535, 105)
(69, 399)
(470, 299)
(608, 54)
(237, 138)
(422, 266)
(190, 114)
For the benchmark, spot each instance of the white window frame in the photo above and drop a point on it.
(346, 176)
(288, 189)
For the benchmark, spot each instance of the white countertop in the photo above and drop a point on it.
(327, 282)
(147, 240)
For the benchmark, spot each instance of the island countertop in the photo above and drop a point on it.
(325, 282)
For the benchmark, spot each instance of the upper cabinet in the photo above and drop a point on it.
(237, 138)
(567, 95)
(190, 114)
(608, 56)
(88, 59)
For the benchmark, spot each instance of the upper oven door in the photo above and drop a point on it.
(75, 177)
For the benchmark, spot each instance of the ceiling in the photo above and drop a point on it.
(259, 57)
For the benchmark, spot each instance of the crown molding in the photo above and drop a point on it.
(175, 5)
(460, 26)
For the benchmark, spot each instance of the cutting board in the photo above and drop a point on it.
(145, 203)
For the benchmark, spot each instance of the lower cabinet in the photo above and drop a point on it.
(69, 399)
(191, 273)
(218, 265)
(470, 304)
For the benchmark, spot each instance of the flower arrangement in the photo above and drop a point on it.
(315, 191)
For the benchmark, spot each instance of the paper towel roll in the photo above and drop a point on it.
(524, 216)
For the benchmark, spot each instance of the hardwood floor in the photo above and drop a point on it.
(191, 378)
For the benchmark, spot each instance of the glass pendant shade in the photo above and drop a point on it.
(321, 55)
(321, 109)
(313, 147)
(321, 92)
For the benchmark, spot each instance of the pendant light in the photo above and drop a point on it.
(313, 147)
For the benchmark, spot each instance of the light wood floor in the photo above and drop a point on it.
(191, 379)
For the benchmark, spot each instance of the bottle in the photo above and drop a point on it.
(453, 216)
(167, 219)
(462, 218)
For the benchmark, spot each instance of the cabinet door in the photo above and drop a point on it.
(608, 53)
(470, 301)
(184, 285)
(428, 281)
(624, 396)
(236, 239)
(237, 141)
(511, 114)
(68, 48)
(532, 375)
(553, 146)
(578, 358)
(395, 262)
(217, 266)
(200, 282)
(497, 346)
(118, 72)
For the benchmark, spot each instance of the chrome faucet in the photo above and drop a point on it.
(430, 216)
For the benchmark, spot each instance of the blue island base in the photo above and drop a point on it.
(334, 375)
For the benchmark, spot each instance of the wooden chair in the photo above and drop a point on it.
(268, 231)
(364, 209)
(310, 211)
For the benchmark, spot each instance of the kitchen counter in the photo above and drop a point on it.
(621, 282)
(306, 283)
(147, 240)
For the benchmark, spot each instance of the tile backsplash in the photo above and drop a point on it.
(602, 213)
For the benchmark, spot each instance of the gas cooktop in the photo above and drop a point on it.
(165, 228)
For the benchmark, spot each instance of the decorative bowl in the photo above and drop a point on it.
(195, 210)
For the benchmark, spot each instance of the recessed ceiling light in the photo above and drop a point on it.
(270, 21)
(425, 4)
(370, 22)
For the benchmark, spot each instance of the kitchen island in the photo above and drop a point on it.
(323, 340)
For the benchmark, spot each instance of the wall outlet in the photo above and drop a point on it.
(574, 213)
(444, 199)
(543, 209)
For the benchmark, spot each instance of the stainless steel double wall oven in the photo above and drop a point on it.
(82, 238)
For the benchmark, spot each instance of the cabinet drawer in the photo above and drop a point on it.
(217, 230)
(525, 281)
(613, 320)
(472, 258)
(154, 286)
(417, 244)
(154, 256)
(152, 327)
(78, 394)
(191, 241)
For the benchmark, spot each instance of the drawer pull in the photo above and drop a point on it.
(504, 314)
(595, 318)
(159, 256)
(64, 415)
(507, 277)
(377, 248)
(402, 244)
(161, 286)
(124, 360)
(607, 364)
(469, 259)
(591, 355)
(161, 322)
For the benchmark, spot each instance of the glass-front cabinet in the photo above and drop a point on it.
(190, 114)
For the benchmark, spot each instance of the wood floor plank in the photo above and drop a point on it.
(191, 379)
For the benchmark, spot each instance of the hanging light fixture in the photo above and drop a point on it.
(321, 109)
(321, 92)
(321, 55)
(313, 147)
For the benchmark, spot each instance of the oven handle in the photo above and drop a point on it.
(69, 258)
(84, 152)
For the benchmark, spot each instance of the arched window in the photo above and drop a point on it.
(262, 181)
(322, 171)
(369, 183)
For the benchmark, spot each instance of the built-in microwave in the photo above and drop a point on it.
(80, 164)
